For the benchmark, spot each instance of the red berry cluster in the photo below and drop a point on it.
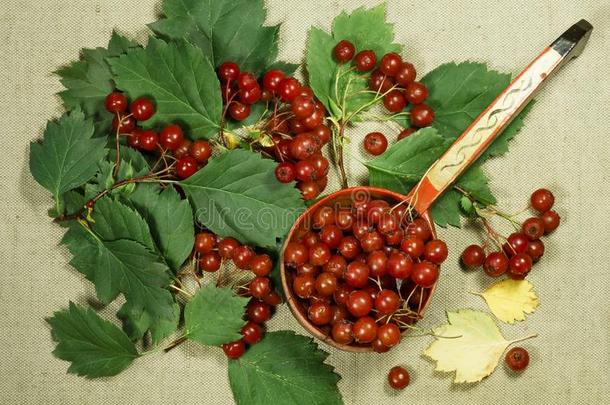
(210, 251)
(189, 156)
(347, 268)
(395, 79)
(296, 125)
(522, 249)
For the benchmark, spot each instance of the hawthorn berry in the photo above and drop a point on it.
(344, 51)
(517, 359)
(366, 60)
(239, 111)
(473, 256)
(186, 167)
(398, 378)
(405, 75)
(542, 200)
(495, 264)
(390, 63)
(394, 101)
(148, 140)
(116, 103)
(142, 109)
(200, 150)
(171, 137)
(375, 143)
(285, 172)
(228, 72)
(421, 115)
(550, 220)
(252, 333)
(234, 350)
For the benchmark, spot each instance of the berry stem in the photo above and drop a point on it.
(175, 344)
(522, 339)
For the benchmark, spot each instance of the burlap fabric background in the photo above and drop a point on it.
(565, 145)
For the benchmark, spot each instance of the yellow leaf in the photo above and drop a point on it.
(469, 344)
(232, 141)
(510, 300)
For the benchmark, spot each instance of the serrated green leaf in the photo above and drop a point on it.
(214, 316)
(226, 30)
(236, 194)
(446, 210)
(170, 219)
(89, 80)
(284, 368)
(137, 322)
(180, 80)
(286, 67)
(95, 347)
(406, 161)
(366, 29)
(68, 156)
(467, 206)
(475, 183)
(117, 254)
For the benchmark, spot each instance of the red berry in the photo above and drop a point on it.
(239, 111)
(342, 333)
(305, 170)
(142, 109)
(242, 257)
(398, 378)
(133, 139)
(421, 115)
(288, 89)
(473, 256)
(389, 334)
(320, 163)
(420, 229)
(323, 216)
(171, 137)
(246, 81)
(320, 313)
(375, 143)
(515, 243)
(304, 285)
(303, 146)
(495, 264)
(331, 235)
(148, 140)
(326, 284)
(251, 96)
(183, 149)
(226, 247)
(405, 133)
(377, 262)
(260, 287)
(116, 102)
(535, 250)
(261, 265)
(285, 172)
(394, 101)
(533, 228)
(258, 312)
(379, 82)
(272, 80)
(252, 333)
(390, 63)
(365, 330)
(200, 150)
(126, 126)
(303, 107)
(186, 167)
(344, 51)
(405, 75)
(309, 190)
(228, 71)
(436, 251)
(387, 302)
(359, 303)
(517, 359)
(322, 132)
(205, 242)
(551, 221)
(366, 60)
(425, 274)
(234, 350)
(379, 347)
(273, 299)
(542, 200)
(314, 120)
(295, 254)
(319, 254)
(336, 266)
(399, 265)
(357, 274)
(349, 247)
(413, 246)
(520, 264)
(210, 262)
(416, 93)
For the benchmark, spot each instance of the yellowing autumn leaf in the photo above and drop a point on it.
(469, 344)
(510, 300)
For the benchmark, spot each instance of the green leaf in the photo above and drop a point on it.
(284, 368)
(366, 29)
(236, 194)
(95, 347)
(214, 316)
(446, 210)
(89, 80)
(181, 81)
(137, 322)
(405, 162)
(467, 206)
(288, 68)
(68, 156)
(226, 30)
(475, 183)
(116, 253)
(170, 219)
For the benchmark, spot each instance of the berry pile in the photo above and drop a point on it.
(188, 156)
(363, 271)
(521, 249)
(295, 127)
(395, 80)
(209, 251)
